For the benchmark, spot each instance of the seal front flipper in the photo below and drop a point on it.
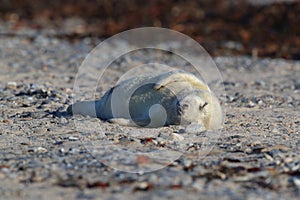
(122, 121)
(136, 122)
(128, 122)
(180, 76)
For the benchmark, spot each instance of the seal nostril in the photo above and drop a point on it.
(185, 106)
(178, 108)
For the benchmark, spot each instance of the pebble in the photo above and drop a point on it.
(63, 120)
(62, 150)
(11, 85)
(73, 138)
(187, 163)
(268, 157)
(177, 137)
(296, 181)
(69, 91)
(142, 186)
(163, 135)
(199, 184)
(276, 148)
(194, 128)
(40, 150)
(251, 104)
(5, 170)
(161, 141)
(260, 83)
(7, 121)
(74, 150)
(297, 86)
(40, 130)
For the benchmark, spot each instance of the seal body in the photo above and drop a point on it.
(170, 98)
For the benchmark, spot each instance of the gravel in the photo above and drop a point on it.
(43, 157)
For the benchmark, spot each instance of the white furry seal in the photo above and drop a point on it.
(170, 98)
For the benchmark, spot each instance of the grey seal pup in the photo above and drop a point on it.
(170, 98)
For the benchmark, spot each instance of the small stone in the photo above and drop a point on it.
(155, 142)
(25, 103)
(142, 186)
(165, 136)
(36, 178)
(260, 83)
(143, 159)
(199, 184)
(58, 143)
(37, 115)
(7, 121)
(194, 128)
(160, 141)
(251, 104)
(268, 157)
(221, 175)
(40, 130)
(187, 181)
(62, 150)
(73, 151)
(296, 182)
(297, 86)
(275, 130)
(68, 91)
(11, 85)
(41, 150)
(63, 120)
(282, 148)
(233, 45)
(260, 102)
(256, 143)
(187, 163)
(177, 137)
(2, 176)
(231, 98)
(73, 138)
(288, 160)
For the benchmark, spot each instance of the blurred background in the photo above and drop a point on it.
(263, 28)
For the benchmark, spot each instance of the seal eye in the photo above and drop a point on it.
(201, 107)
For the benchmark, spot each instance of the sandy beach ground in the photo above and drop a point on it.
(42, 156)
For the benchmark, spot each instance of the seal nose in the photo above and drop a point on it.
(178, 108)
